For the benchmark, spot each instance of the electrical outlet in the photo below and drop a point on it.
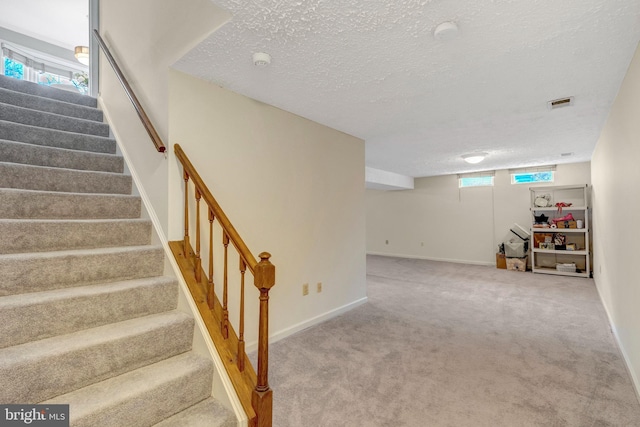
(319, 287)
(305, 289)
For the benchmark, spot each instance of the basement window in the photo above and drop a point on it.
(532, 177)
(475, 181)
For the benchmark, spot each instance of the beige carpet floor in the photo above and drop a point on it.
(442, 344)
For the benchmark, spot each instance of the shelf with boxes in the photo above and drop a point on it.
(560, 230)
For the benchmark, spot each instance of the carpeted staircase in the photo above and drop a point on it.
(86, 316)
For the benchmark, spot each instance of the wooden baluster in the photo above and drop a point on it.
(186, 214)
(225, 311)
(197, 268)
(211, 291)
(243, 268)
(262, 397)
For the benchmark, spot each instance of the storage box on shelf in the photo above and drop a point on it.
(563, 249)
(517, 264)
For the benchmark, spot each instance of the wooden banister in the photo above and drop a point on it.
(218, 213)
(253, 389)
(146, 122)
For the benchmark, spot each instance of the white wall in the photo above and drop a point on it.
(146, 37)
(290, 186)
(616, 210)
(439, 221)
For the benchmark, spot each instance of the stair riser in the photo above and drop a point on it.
(30, 236)
(40, 376)
(24, 273)
(19, 152)
(55, 138)
(155, 405)
(209, 413)
(28, 177)
(32, 317)
(47, 92)
(49, 105)
(144, 397)
(26, 116)
(18, 204)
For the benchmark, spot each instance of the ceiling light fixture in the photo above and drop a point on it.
(474, 158)
(82, 54)
(261, 59)
(446, 31)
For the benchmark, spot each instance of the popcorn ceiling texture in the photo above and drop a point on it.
(374, 70)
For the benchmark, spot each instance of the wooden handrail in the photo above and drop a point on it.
(146, 122)
(235, 238)
(253, 389)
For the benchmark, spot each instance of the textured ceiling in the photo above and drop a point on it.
(374, 70)
(60, 22)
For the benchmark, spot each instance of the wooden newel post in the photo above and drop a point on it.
(262, 399)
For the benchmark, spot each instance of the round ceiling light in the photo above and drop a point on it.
(446, 31)
(261, 59)
(82, 54)
(474, 158)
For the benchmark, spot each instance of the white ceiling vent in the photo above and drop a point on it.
(560, 103)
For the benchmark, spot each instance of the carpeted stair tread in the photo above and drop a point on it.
(17, 203)
(208, 413)
(55, 138)
(28, 177)
(142, 397)
(41, 271)
(35, 316)
(39, 155)
(43, 119)
(40, 103)
(43, 369)
(20, 235)
(87, 317)
(47, 92)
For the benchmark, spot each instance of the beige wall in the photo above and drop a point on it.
(290, 186)
(437, 220)
(616, 212)
(146, 37)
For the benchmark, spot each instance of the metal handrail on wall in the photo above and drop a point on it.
(146, 122)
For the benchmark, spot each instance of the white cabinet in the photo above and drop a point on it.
(560, 228)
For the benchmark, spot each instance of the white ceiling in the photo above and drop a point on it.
(374, 70)
(61, 22)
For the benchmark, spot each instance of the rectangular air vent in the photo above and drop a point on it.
(559, 103)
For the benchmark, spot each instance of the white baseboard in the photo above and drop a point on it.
(627, 362)
(284, 333)
(456, 261)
